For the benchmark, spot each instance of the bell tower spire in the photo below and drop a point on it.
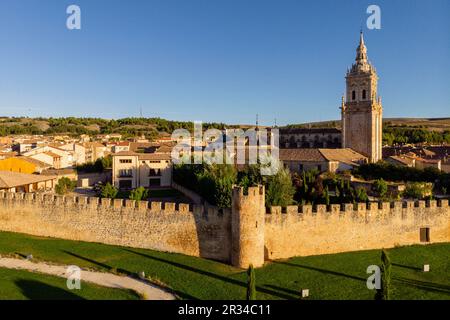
(362, 111)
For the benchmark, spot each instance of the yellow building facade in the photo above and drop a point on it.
(17, 164)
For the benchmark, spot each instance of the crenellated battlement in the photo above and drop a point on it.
(83, 202)
(386, 207)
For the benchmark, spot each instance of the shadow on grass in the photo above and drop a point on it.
(424, 285)
(294, 294)
(406, 267)
(35, 290)
(334, 273)
(212, 275)
(99, 264)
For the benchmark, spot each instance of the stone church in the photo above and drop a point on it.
(361, 112)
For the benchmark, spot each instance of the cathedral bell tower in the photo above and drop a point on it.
(361, 108)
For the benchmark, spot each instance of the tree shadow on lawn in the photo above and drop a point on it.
(35, 290)
(334, 273)
(424, 285)
(406, 267)
(212, 275)
(100, 264)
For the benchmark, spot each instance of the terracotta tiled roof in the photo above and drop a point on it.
(35, 162)
(10, 179)
(404, 160)
(319, 155)
(345, 155)
(301, 155)
(52, 154)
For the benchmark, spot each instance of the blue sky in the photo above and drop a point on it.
(219, 60)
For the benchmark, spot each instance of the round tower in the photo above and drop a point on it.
(247, 227)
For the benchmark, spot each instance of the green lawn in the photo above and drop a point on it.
(337, 276)
(19, 285)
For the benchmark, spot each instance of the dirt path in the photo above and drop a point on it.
(147, 290)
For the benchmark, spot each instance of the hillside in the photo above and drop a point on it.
(434, 124)
(128, 127)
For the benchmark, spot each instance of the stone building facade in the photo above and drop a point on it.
(361, 108)
(310, 138)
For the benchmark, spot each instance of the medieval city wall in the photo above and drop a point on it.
(195, 230)
(302, 231)
(245, 234)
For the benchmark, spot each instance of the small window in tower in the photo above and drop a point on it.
(364, 95)
(353, 95)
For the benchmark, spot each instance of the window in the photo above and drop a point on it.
(424, 234)
(300, 167)
(154, 172)
(125, 161)
(353, 95)
(154, 182)
(125, 184)
(364, 95)
(319, 167)
(155, 161)
(125, 173)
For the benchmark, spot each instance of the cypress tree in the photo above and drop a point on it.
(385, 292)
(251, 283)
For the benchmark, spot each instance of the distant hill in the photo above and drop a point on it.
(128, 127)
(434, 124)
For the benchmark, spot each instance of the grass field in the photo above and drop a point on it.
(19, 285)
(336, 276)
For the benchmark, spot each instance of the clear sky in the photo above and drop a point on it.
(219, 60)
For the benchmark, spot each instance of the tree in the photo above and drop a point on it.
(380, 187)
(251, 283)
(279, 189)
(108, 191)
(361, 195)
(416, 190)
(65, 185)
(139, 194)
(326, 196)
(384, 293)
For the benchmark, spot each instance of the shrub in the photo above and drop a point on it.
(380, 187)
(108, 191)
(139, 194)
(65, 185)
(416, 190)
(361, 195)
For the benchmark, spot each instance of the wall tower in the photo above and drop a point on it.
(247, 227)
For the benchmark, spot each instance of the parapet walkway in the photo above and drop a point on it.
(146, 290)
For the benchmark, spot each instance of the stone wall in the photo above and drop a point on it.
(195, 230)
(302, 231)
(242, 235)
